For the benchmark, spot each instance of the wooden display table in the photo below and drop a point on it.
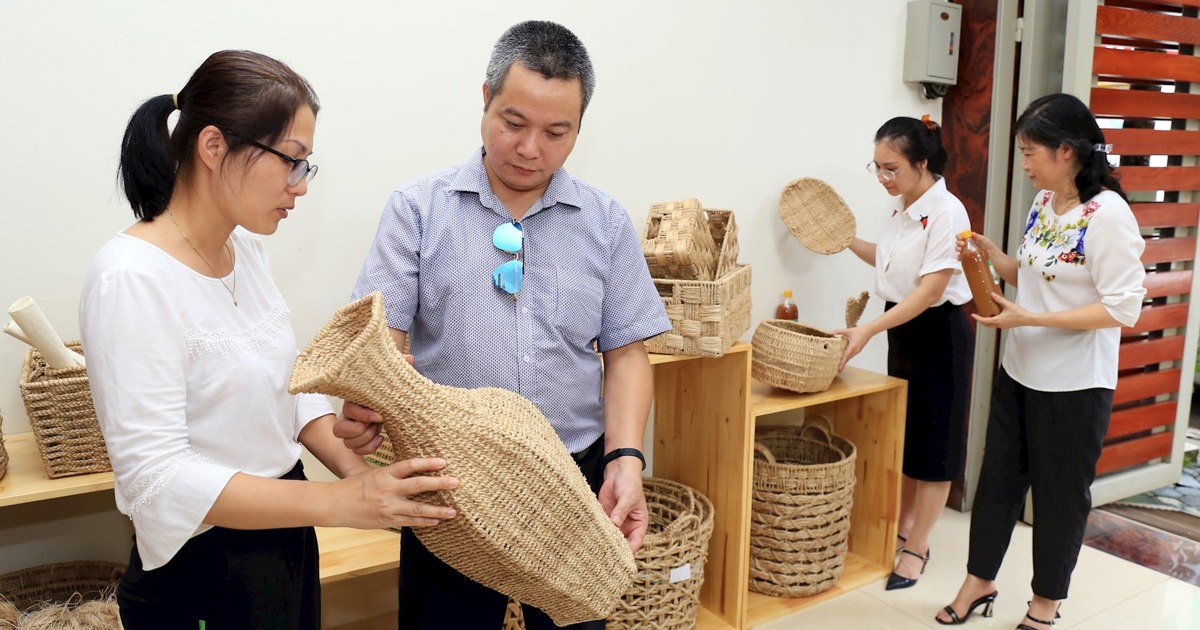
(705, 414)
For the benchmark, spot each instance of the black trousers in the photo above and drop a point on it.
(1048, 442)
(433, 595)
(228, 579)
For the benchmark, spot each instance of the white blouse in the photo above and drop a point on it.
(920, 241)
(1056, 272)
(189, 389)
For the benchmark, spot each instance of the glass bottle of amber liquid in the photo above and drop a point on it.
(979, 277)
(787, 308)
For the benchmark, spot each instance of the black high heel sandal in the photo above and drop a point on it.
(897, 581)
(987, 601)
(1022, 626)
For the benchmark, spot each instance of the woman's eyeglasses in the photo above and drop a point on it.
(508, 277)
(885, 174)
(301, 169)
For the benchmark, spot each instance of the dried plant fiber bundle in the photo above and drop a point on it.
(528, 525)
(817, 216)
(89, 615)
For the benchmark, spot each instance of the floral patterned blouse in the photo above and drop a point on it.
(1090, 253)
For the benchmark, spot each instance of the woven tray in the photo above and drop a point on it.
(65, 427)
(706, 317)
(528, 525)
(678, 242)
(792, 356)
(817, 216)
(800, 510)
(60, 582)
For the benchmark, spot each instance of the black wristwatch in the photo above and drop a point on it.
(625, 452)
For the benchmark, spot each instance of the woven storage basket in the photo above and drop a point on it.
(678, 242)
(724, 233)
(528, 525)
(793, 356)
(3, 451)
(817, 216)
(60, 582)
(59, 402)
(706, 317)
(666, 593)
(800, 511)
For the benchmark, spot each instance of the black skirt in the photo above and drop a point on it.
(933, 352)
(228, 578)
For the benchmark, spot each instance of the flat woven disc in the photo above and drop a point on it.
(817, 216)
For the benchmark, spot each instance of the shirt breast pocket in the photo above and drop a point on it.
(578, 311)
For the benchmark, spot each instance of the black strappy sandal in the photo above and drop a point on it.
(987, 601)
(1022, 626)
(897, 581)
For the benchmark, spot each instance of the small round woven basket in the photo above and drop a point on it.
(800, 511)
(792, 356)
(817, 216)
(60, 582)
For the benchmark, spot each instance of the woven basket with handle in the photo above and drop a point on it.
(707, 318)
(792, 356)
(800, 513)
(678, 242)
(65, 427)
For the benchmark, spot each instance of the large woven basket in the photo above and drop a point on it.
(706, 317)
(666, 593)
(792, 356)
(3, 451)
(528, 525)
(800, 511)
(678, 242)
(817, 216)
(65, 427)
(60, 582)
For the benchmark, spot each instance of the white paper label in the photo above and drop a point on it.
(679, 574)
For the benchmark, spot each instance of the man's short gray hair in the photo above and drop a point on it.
(547, 48)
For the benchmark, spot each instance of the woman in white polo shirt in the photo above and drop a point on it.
(930, 343)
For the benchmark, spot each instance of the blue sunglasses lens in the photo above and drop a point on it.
(509, 276)
(507, 237)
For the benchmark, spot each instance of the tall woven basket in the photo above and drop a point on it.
(800, 514)
(528, 525)
(65, 427)
(60, 582)
(792, 356)
(666, 593)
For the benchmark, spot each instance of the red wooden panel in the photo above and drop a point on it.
(1133, 452)
(1152, 178)
(1143, 386)
(1110, 62)
(1166, 214)
(1154, 5)
(1150, 352)
(1159, 317)
(1146, 25)
(1151, 142)
(1143, 104)
(1162, 250)
(1165, 283)
(1143, 418)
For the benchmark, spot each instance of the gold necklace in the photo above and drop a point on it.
(232, 290)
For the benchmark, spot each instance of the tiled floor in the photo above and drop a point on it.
(1106, 593)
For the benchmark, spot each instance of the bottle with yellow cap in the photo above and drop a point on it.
(787, 308)
(978, 271)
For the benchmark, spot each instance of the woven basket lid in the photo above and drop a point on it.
(817, 216)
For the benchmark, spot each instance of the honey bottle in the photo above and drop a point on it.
(787, 308)
(978, 271)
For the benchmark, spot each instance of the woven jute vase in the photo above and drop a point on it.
(65, 427)
(528, 525)
(792, 356)
(800, 508)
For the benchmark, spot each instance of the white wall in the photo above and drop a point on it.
(723, 101)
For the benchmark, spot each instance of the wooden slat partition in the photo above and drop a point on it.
(1147, 398)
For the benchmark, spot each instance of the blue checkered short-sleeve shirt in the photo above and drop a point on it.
(586, 282)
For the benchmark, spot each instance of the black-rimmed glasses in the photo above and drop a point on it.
(301, 168)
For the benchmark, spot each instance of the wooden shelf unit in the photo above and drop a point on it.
(706, 411)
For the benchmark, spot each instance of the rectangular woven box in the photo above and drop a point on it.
(678, 242)
(65, 427)
(707, 317)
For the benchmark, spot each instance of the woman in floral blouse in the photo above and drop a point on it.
(1078, 274)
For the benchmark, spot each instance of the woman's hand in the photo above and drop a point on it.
(383, 497)
(856, 340)
(1010, 315)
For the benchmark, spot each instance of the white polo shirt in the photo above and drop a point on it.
(920, 241)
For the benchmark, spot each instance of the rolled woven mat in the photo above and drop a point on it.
(855, 307)
(528, 525)
(817, 216)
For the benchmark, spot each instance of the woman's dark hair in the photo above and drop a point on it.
(248, 96)
(916, 140)
(1058, 120)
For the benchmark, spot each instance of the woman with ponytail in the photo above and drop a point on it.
(1078, 275)
(190, 347)
(930, 343)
